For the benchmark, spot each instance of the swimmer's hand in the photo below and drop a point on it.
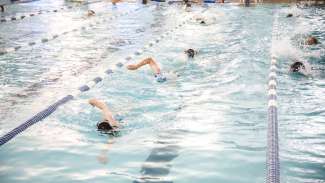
(102, 159)
(92, 102)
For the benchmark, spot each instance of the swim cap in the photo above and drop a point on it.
(160, 78)
(289, 15)
(295, 67)
(104, 126)
(190, 52)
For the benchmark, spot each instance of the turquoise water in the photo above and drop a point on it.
(301, 99)
(207, 125)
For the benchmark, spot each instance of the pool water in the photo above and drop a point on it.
(301, 113)
(207, 123)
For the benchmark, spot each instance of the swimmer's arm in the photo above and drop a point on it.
(107, 114)
(102, 157)
(153, 65)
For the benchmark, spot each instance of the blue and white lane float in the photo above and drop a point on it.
(32, 14)
(90, 26)
(50, 109)
(273, 162)
(23, 16)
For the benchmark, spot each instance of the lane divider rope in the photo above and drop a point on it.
(273, 162)
(38, 117)
(22, 16)
(90, 26)
(49, 110)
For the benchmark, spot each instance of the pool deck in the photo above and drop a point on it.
(307, 2)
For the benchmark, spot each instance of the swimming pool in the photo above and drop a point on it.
(207, 125)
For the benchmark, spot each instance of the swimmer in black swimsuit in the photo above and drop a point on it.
(203, 22)
(2, 8)
(289, 15)
(90, 13)
(153, 65)
(108, 124)
(311, 40)
(297, 66)
(300, 67)
(190, 53)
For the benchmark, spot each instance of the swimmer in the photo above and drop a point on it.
(300, 67)
(201, 20)
(91, 13)
(206, 19)
(153, 65)
(190, 53)
(187, 7)
(187, 4)
(289, 15)
(311, 40)
(109, 124)
(2, 8)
